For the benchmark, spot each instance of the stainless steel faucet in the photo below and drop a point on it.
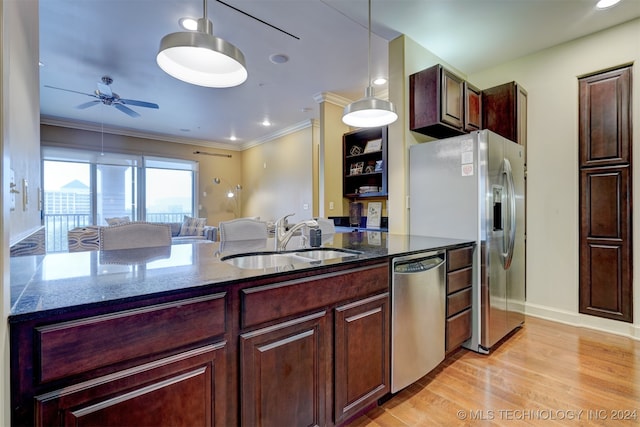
(283, 235)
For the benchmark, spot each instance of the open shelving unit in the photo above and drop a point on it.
(365, 163)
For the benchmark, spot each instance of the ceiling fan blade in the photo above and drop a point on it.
(105, 89)
(139, 103)
(126, 110)
(87, 104)
(69, 90)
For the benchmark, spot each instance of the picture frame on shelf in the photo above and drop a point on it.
(356, 168)
(374, 214)
(373, 145)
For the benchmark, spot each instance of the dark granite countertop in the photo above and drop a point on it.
(62, 280)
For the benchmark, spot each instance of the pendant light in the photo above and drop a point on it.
(369, 111)
(199, 58)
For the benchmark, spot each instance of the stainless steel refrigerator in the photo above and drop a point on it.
(472, 187)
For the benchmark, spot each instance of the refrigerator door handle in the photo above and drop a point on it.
(511, 203)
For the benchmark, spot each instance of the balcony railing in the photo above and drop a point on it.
(58, 225)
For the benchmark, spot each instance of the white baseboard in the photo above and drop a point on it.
(629, 330)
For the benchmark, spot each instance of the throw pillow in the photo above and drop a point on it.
(117, 220)
(192, 226)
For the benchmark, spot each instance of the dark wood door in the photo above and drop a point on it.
(362, 355)
(472, 108)
(606, 277)
(282, 369)
(452, 96)
(182, 390)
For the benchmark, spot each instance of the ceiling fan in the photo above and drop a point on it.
(103, 94)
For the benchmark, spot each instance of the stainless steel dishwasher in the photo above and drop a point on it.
(418, 299)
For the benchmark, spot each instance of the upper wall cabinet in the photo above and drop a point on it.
(442, 104)
(504, 111)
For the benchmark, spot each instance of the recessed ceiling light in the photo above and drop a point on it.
(232, 138)
(379, 81)
(278, 58)
(40, 64)
(605, 4)
(189, 24)
(266, 122)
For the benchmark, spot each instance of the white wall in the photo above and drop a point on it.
(551, 79)
(20, 142)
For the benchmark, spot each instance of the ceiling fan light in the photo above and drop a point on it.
(201, 59)
(369, 112)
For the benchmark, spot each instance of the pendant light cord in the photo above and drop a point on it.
(204, 9)
(369, 59)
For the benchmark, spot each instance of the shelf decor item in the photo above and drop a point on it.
(373, 145)
(374, 214)
(378, 167)
(356, 168)
(355, 150)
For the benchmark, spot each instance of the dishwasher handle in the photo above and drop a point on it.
(419, 265)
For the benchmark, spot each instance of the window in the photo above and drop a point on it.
(85, 188)
(169, 189)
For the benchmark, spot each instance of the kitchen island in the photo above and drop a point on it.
(182, 337)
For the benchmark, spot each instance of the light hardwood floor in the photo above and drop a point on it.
(545, 373)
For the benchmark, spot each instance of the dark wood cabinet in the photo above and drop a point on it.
(472, 108)
(298, 348)
(606, 273)
(321, 357)
(362, 355)
(160, 364)
(177, 390)
(459, 297)
(282, 370)
(365, 163)
(504, 111)
(436, 102)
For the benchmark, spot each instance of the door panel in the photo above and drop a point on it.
(605, 256)
(606, 266)
(282, 371)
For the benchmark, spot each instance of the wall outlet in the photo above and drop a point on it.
(331, 206)
(305, 206)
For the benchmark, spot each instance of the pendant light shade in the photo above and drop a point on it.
(200, 58)
(369, 111)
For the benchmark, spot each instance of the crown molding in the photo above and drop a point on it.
(333, 98)
(341, 101)
(280, 133)
(46, 120)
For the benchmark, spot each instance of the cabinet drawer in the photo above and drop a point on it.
(459, 258)
(459, 280)
(79, 346)
(263, 304)
(458, 302)
(458, 329)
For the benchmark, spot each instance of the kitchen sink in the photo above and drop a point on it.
(281, 260)
(327, 253)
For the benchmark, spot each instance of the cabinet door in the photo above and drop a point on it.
(282, 370)
(452, 90)
(606, 238)
(472, 108)
(605, 243)
(183, 390)
(362, 348)
(504, 111)
(605, 119)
